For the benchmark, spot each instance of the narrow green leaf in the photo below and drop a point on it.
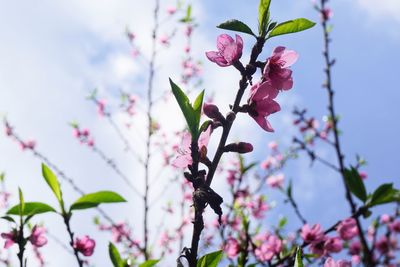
(149, 263)
(263, 16)
(237, 26)
(21, 205)
(52, 181)
(291, 26)
(31, 208)
(94, 199)
(186, 108)
(8, 218)
(249, 167)
(197, 107)
(355, 184)
(210, 260)
(115, 256)
(384, 194)
(299, 260)
(282, 222)
(2, 176)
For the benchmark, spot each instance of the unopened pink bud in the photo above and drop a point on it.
(211, 111)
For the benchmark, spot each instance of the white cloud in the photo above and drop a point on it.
(384, 9)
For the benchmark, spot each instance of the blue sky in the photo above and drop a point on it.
(53, 53)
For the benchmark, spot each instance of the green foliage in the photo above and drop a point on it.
(263, 17)
(51, 180)
(385, 193)
(355, 183)
(282, 222)
(291, 26)
(149, 263)
(210, 260)
(115, 257)
(94, 199)
(188, 17)
(21, 205)
(8, 218)
(2, 176)
(299, 261)
(237, 26)
(191, 113)
(30, 208)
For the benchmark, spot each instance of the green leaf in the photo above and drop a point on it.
(197, 106)
(299, 260)
(237, 26)
(384, 194)
(355, 183)
(188, 17)
(149, 263)
(210, 260)
(31, 208)
(282, 222)
(186, 108)
(249, 167)
(291, 26)
(8, 218)
(2, 176)
(94, 199)
(21, 205)
(263, 16)
(115, 256)
(52, 181)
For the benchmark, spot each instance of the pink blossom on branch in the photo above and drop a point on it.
(312, 234)
(228, 52)
(271, 247)
(347, 229)
(85, 245)
(10, 237)
(184, 158)
(340, 263)
(277, 71)
(37, 237)
(261, 104)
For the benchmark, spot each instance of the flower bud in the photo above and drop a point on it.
(211, 111)
(240, 147)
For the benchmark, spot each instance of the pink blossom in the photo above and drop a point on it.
(10, 237)
(232, 248)
(268, 162)
(268, 249)
(30, 144)
(101, 107)
(171, 10)
(37, 237)
(8, 130)
(273, 145)
(85, 132)
(188, 30)
(185, 158)
(383, 244)
(276, 181)
(119, 231)
(347, 229)
(164, 39)
(261, 104)
(85, 245)
(385, 218)
(333, 245)
(313, 234)
(326, 14)
(363, 175)
(340, 263)
(355, 247)
(395, 226)
(356, 259)
(277, 70)
(259, 207)
(228, 52)
(76, 133)
(90, 142)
